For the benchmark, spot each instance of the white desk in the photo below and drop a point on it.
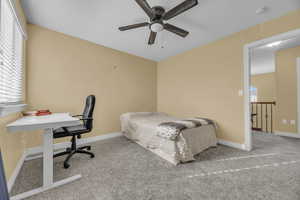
(48, 124)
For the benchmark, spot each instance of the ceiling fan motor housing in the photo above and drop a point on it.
(157, 22)
(159, 12)
(158, 16)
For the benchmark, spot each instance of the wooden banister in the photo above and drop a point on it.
(262, 115)
(264, 102)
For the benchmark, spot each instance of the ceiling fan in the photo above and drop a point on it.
(158, 15)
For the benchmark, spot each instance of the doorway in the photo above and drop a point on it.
(254, 110)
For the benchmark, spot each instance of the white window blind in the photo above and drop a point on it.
(11, 55)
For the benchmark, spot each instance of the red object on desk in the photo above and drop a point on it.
(43, 112)
(37, 113)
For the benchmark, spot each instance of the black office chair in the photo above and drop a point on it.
(77, 131)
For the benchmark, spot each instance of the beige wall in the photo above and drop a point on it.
(266, 86)
(63, 70)
(12, 144)
(205, 81)
(286, 88)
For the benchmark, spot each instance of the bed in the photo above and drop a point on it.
(144, 129)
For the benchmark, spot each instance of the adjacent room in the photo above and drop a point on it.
(149, 100)
(274, 94)
(274, 69)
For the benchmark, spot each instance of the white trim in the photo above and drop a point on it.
(42, 189)
(246, 75)
(298, 93)
(287, 134)
(32, 152)
(47, 169)
(232, 144)
(13, 9)
(9, 109)
(247, 113)
(282, 36)
(98, 138)
(36, 152)
(16, 172)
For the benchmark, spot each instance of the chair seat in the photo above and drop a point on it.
(72, 130)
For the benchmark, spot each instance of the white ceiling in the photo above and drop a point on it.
(263, 57)
(98, 21)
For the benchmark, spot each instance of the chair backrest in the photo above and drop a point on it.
(88, 111)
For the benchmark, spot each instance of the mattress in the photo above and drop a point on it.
(141, 128)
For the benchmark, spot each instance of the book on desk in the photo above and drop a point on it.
(37, 113)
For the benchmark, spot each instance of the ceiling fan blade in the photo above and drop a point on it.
(145, 6)
(176, 30)
(133, 26)
(186, 5)
(152, 38)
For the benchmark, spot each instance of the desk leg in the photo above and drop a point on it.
(48, 159)
(47, 169)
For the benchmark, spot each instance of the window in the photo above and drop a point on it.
(253, 94)
(11, 43)
(11, 56)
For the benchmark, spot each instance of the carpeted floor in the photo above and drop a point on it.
(123, 170)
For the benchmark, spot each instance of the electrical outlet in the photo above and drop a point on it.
(293, 122)
(284, 121)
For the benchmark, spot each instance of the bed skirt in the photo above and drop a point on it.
(141, 128)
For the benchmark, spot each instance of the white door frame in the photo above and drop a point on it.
(298, 94)
(247, 78)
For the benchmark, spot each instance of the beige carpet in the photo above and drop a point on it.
(122, 170)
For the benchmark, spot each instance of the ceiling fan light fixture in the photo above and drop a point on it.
(158, 16)
(156, 27)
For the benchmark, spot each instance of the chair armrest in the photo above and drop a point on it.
(77, 115)
(88, 118)
(65, 129)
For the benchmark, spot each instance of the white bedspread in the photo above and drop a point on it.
(142, 128)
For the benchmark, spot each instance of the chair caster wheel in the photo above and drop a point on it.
(92, 156)
(88, 148)
(66, 165)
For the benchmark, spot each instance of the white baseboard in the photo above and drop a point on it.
(232, 144)
(32, 152)
(287, 134)
(16, 172)
(98, 138)
(35, 152)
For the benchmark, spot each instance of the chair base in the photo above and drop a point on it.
(73, 150)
